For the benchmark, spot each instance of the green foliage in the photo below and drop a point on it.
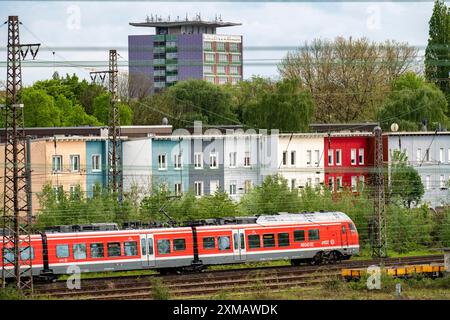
(271, 197)
(40, 109)
(159, 290)
(437, 53)
(413, 99)
(281, 105)
(405, 184)
(11, 293)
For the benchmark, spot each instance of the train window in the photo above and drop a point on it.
(269, 240)
(97, 250)
(352, 227)
(313, 234)
(130, 248)
(224, 243)
(242, 241)
(62, 251)
(143, 247)
(179, 244)
(235, 240)
(344, 230)
(283, 239)
(299, 235)
(254, 241)
(150, 246)
(163, 246)
(8, 256)
(114, 249)
(209, 243)
(25, 253)
(79, 251)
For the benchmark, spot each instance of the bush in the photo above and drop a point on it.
(159, 290)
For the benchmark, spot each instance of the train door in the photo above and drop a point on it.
(344, 236)
(239, 247)
(147, 251)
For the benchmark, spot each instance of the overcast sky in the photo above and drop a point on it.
(94, 27)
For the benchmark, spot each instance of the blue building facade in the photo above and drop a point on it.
(96, 165)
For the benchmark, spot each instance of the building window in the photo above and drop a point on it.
(428, 182)
(442, 182)
(448, 155)
(309, 182)
(247, 186)
(427, 155)
(233, 47)
(207, 69)
(213, 162)
(223, 58)
(354, 183)
(232, 188)
(198, 160)
(232, 159)
(235, 58)
(338, 157)
(330, 157)
(234, 70)
(57, 163)
(441, 155)
(221, 69)
(317, 157)
(220, 46)
(213, 186)
(73, 189)
(361, 181)
(198, 188)
(75, 163)
(331, 183)
(353, 157)
(361, 156)
(317, 182)
(284, 158)
(222, 80)
(177, 189)
(292, 158)
(308, 158)
(209, 57)
(339, 183)
(177, 161)
(210, 79)
(207, 45)
(162, 164)
(419, 155)
(293, 184)
(96, 162)
(247, 159)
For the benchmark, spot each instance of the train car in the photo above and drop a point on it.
(306, 237)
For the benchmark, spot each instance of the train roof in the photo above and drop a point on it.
(304, 217)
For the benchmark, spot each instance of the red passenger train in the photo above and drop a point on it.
(304, 237)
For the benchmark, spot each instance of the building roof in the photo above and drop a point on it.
(353, 127)
(418, 133)
(179, 23)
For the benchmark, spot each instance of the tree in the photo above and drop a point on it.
(102, 108)
(437, 53)
(152, 109)
(348, 79)
(39, 109)
(282, 105)
(271, 197)
(411, 101)
(200, 100)
(405, 183)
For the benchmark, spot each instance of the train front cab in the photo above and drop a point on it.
(350, 240)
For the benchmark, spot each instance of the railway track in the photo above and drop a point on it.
(200, 285)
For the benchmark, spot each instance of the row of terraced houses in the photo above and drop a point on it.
(234, 162)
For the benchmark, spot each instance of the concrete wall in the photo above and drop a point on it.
(137, 164)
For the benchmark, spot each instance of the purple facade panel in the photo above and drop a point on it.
(140, 55)
(190, 56)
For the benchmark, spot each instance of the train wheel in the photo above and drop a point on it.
(334, 257)
(317, 259)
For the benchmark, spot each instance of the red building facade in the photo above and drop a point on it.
(348, 160)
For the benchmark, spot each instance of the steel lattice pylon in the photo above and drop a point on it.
(379, 236)
(115, 181)
(17, 253)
